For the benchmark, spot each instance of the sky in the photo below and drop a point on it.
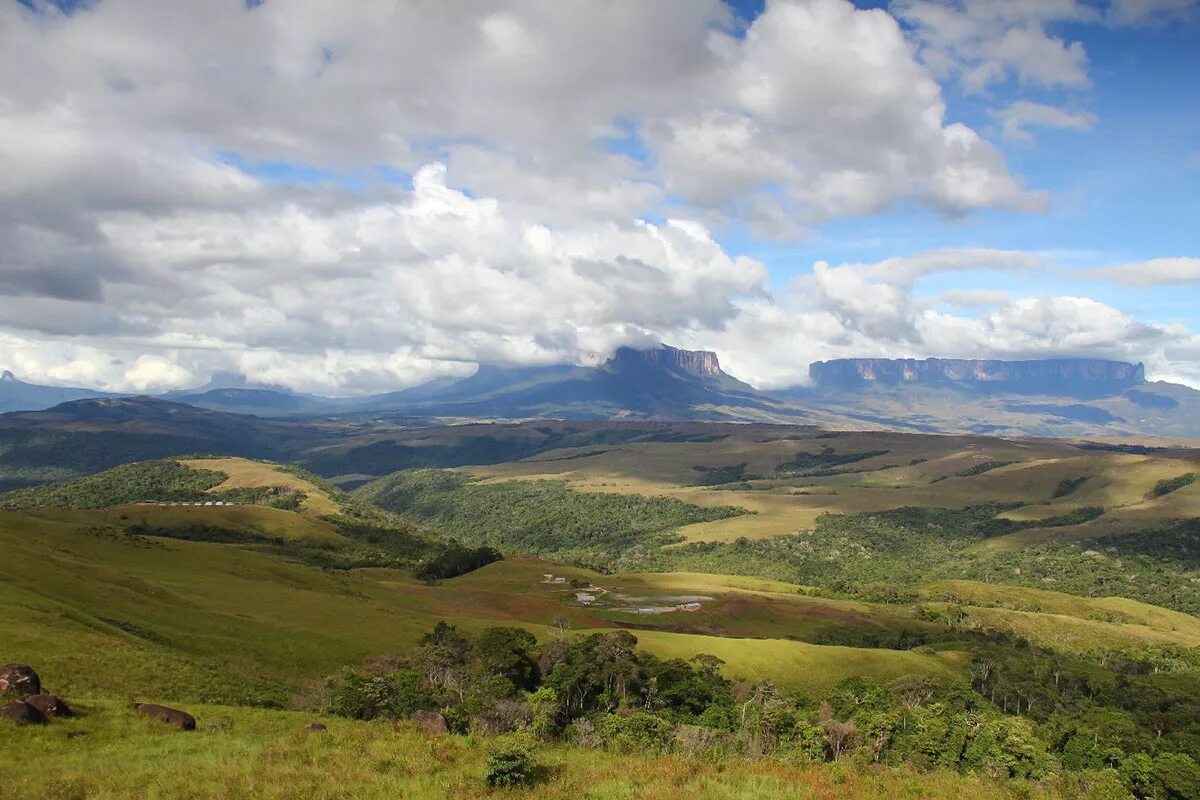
(346, 198)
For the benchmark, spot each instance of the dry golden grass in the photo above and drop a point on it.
(1119, 609)
(244, 473)
(781, 506)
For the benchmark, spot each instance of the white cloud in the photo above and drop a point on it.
(139, 252)
(1155, 272)
(878, 310)
(1023, 114)
(1150, 12)
(974, 298)
(984, 42)
(371, 296)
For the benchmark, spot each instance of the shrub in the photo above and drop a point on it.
(394, 696)
(638, 732)
(1168, 485)
(511, 762)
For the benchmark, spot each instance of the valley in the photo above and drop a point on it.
(805, 560)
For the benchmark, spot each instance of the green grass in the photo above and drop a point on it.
(246, 753)
(808, 669)
(92, 606)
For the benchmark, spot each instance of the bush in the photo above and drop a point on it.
(511, 762)
(394, 696)
(638, 732)
(1168, 485)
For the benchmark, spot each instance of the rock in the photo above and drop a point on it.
(689, 362)
(49, 705)
(19, 679)
(172, 716)
(315, 727)
(22, 713)
(431, 722)
(76, 734)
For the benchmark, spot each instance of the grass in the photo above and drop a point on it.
(808, 669)
(1119, 482)
(247, 753)
(261, 520)
(244, 473)
(1073, 635)
(1116, 609)
(196, 620)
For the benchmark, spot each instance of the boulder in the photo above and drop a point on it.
(21, 713)
(315, 727)
(49, 705)
(172, 716)
(19, 679)
(431, 722)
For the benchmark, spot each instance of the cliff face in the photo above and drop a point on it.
(692, 362)
(1057, 376)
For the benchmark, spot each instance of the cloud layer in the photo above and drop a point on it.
(352, 202)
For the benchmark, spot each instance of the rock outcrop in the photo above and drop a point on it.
(21, 713)
(172, 716)
(19, 679)
(49, 705)
(701, 363)
(430, 722)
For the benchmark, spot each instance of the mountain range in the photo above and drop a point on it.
(1048, 397)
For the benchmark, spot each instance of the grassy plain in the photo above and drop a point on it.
(88, 603)
(917, 470)
(111, 753)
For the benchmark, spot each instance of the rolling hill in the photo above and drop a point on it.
(879, 612)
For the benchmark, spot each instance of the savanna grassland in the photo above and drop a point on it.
(852, 600)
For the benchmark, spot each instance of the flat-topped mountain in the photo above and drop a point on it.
(660, 382)
(1045, 397)
(1061, 376)
(690, 362)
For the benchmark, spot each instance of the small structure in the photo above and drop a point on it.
(688, 607)
(647, 610)
(585, 599)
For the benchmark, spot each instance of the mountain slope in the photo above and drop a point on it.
(656, 383)
(17, 395)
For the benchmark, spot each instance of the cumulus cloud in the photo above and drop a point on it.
(1150, 12)
(855, 311)
(351, 298)
(1155, 272)
(984, 43)
(1024, 114)
(348, 198)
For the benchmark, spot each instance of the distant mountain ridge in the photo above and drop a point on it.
(1049, 397)
(17, 395)
(1065, 376)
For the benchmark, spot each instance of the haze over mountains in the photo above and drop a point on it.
(1048, 397)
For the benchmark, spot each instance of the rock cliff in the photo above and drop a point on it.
(692, 362)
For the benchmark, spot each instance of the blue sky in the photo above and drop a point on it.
(1128, 190)
(360, 197)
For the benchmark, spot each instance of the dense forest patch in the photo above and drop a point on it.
(542, 517)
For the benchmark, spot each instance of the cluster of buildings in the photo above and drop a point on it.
(186, 503)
